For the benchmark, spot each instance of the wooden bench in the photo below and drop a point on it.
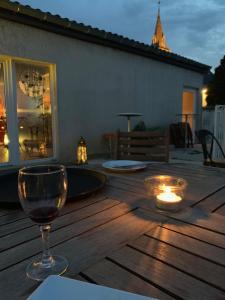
(143, 145)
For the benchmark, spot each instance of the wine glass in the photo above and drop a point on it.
(42, 192)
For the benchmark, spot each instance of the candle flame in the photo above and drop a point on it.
(167, 195)
(6, 140)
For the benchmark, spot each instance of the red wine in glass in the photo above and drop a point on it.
(42, 192)
(43, 215)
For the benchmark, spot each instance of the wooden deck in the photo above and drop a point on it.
(118, 239)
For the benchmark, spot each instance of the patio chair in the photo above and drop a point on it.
(143, 145)
(181, 135)
(208, 140)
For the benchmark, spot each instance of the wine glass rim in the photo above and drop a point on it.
(25, 170)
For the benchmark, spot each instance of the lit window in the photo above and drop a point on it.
(204, 96)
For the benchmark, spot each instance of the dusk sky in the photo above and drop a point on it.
(193, 28)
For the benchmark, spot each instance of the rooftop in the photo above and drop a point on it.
(24, 14)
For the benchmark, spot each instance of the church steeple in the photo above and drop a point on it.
(159, 39)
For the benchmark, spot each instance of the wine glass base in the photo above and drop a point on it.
(37, 271)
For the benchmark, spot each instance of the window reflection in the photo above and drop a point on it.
(34, 111)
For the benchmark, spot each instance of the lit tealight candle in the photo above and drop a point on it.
(168, 200)
(168, 196)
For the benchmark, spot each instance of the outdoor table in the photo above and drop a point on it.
(128, 116)
(117, 238)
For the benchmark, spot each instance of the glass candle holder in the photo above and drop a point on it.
(167, 191)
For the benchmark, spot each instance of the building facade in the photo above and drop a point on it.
(60, 80)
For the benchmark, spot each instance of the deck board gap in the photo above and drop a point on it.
(76, 235)
(181, 249)
(63, 214)
(144, 278)
(208, 196)
(217, 208)
(190, 236)
(197, 225)
(68, 224)
(56, 229)
(87, 278)
(178, 269)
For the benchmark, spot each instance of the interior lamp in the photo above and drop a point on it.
(6, 140)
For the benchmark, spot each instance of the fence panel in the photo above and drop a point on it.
(208, 119)
(219, 131)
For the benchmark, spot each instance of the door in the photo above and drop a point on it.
(189, 108)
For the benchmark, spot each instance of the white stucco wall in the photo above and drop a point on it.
(94, 83)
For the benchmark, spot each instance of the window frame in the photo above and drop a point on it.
(10, 85)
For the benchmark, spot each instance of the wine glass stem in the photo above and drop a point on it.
(47, 259)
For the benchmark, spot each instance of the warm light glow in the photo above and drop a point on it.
(168, 196)
(204, 96)
(82, 152)
(6, 140)
(21, 127)
(42, 149)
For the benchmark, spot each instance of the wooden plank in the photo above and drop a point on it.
(213, 202)
(182, 260)
(124, 196)
(70, 205)
(194, 180)
(198, 217)
(163, 275)
(182, 169)
(13, 239)
(81, 252)
(136, 188)
(109, 274)
(80, 277)
(185, 171)
(18, 253)
(140, 151)
(143, 134)
(137, 179)
(12, 217)
(198, 169)
(146, 157)
(202, 249)
(196, 232)
(4, 212)
(22, 223)
(193, 193)
(221, 210)
(196, 191)
(162, 168)
(158, 169)
(142, 142)
(143, 150)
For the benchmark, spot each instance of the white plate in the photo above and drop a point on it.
(124, 165)
(61, 288)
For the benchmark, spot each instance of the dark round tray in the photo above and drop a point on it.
(81, 183)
